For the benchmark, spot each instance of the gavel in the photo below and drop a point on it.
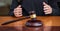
(11, 21)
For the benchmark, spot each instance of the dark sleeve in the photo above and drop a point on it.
(13, 5)
(55, 8)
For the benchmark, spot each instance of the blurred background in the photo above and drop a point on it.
(5, 5)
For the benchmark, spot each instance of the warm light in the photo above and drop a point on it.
(33, 16)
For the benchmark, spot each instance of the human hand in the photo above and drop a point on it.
(18, 11)
(47, 8)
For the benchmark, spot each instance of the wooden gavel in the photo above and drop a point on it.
(11, 21)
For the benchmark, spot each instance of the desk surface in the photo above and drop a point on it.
(47, 20)
(50, 23)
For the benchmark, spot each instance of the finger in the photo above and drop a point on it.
(15, 10)
(47, 12)
(46, 9)
(18, 15)
(18, 11)
(46, 6)
(45, 3)
(19, 6)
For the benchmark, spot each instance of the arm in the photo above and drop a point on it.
(55, 9)
(13, 5)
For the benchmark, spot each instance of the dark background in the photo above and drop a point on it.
(5, 6)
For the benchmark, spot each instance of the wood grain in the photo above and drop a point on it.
(50, 23)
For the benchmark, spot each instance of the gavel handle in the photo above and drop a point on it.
(11, 21)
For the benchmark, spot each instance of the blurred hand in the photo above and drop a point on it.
(47, 8)
(18, 11)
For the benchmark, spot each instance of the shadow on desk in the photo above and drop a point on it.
(8, 28)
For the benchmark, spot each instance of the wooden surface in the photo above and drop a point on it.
(48, 21)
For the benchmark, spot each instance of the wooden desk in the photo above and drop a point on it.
(50, 22)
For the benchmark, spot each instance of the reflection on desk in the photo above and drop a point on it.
(51, 23)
